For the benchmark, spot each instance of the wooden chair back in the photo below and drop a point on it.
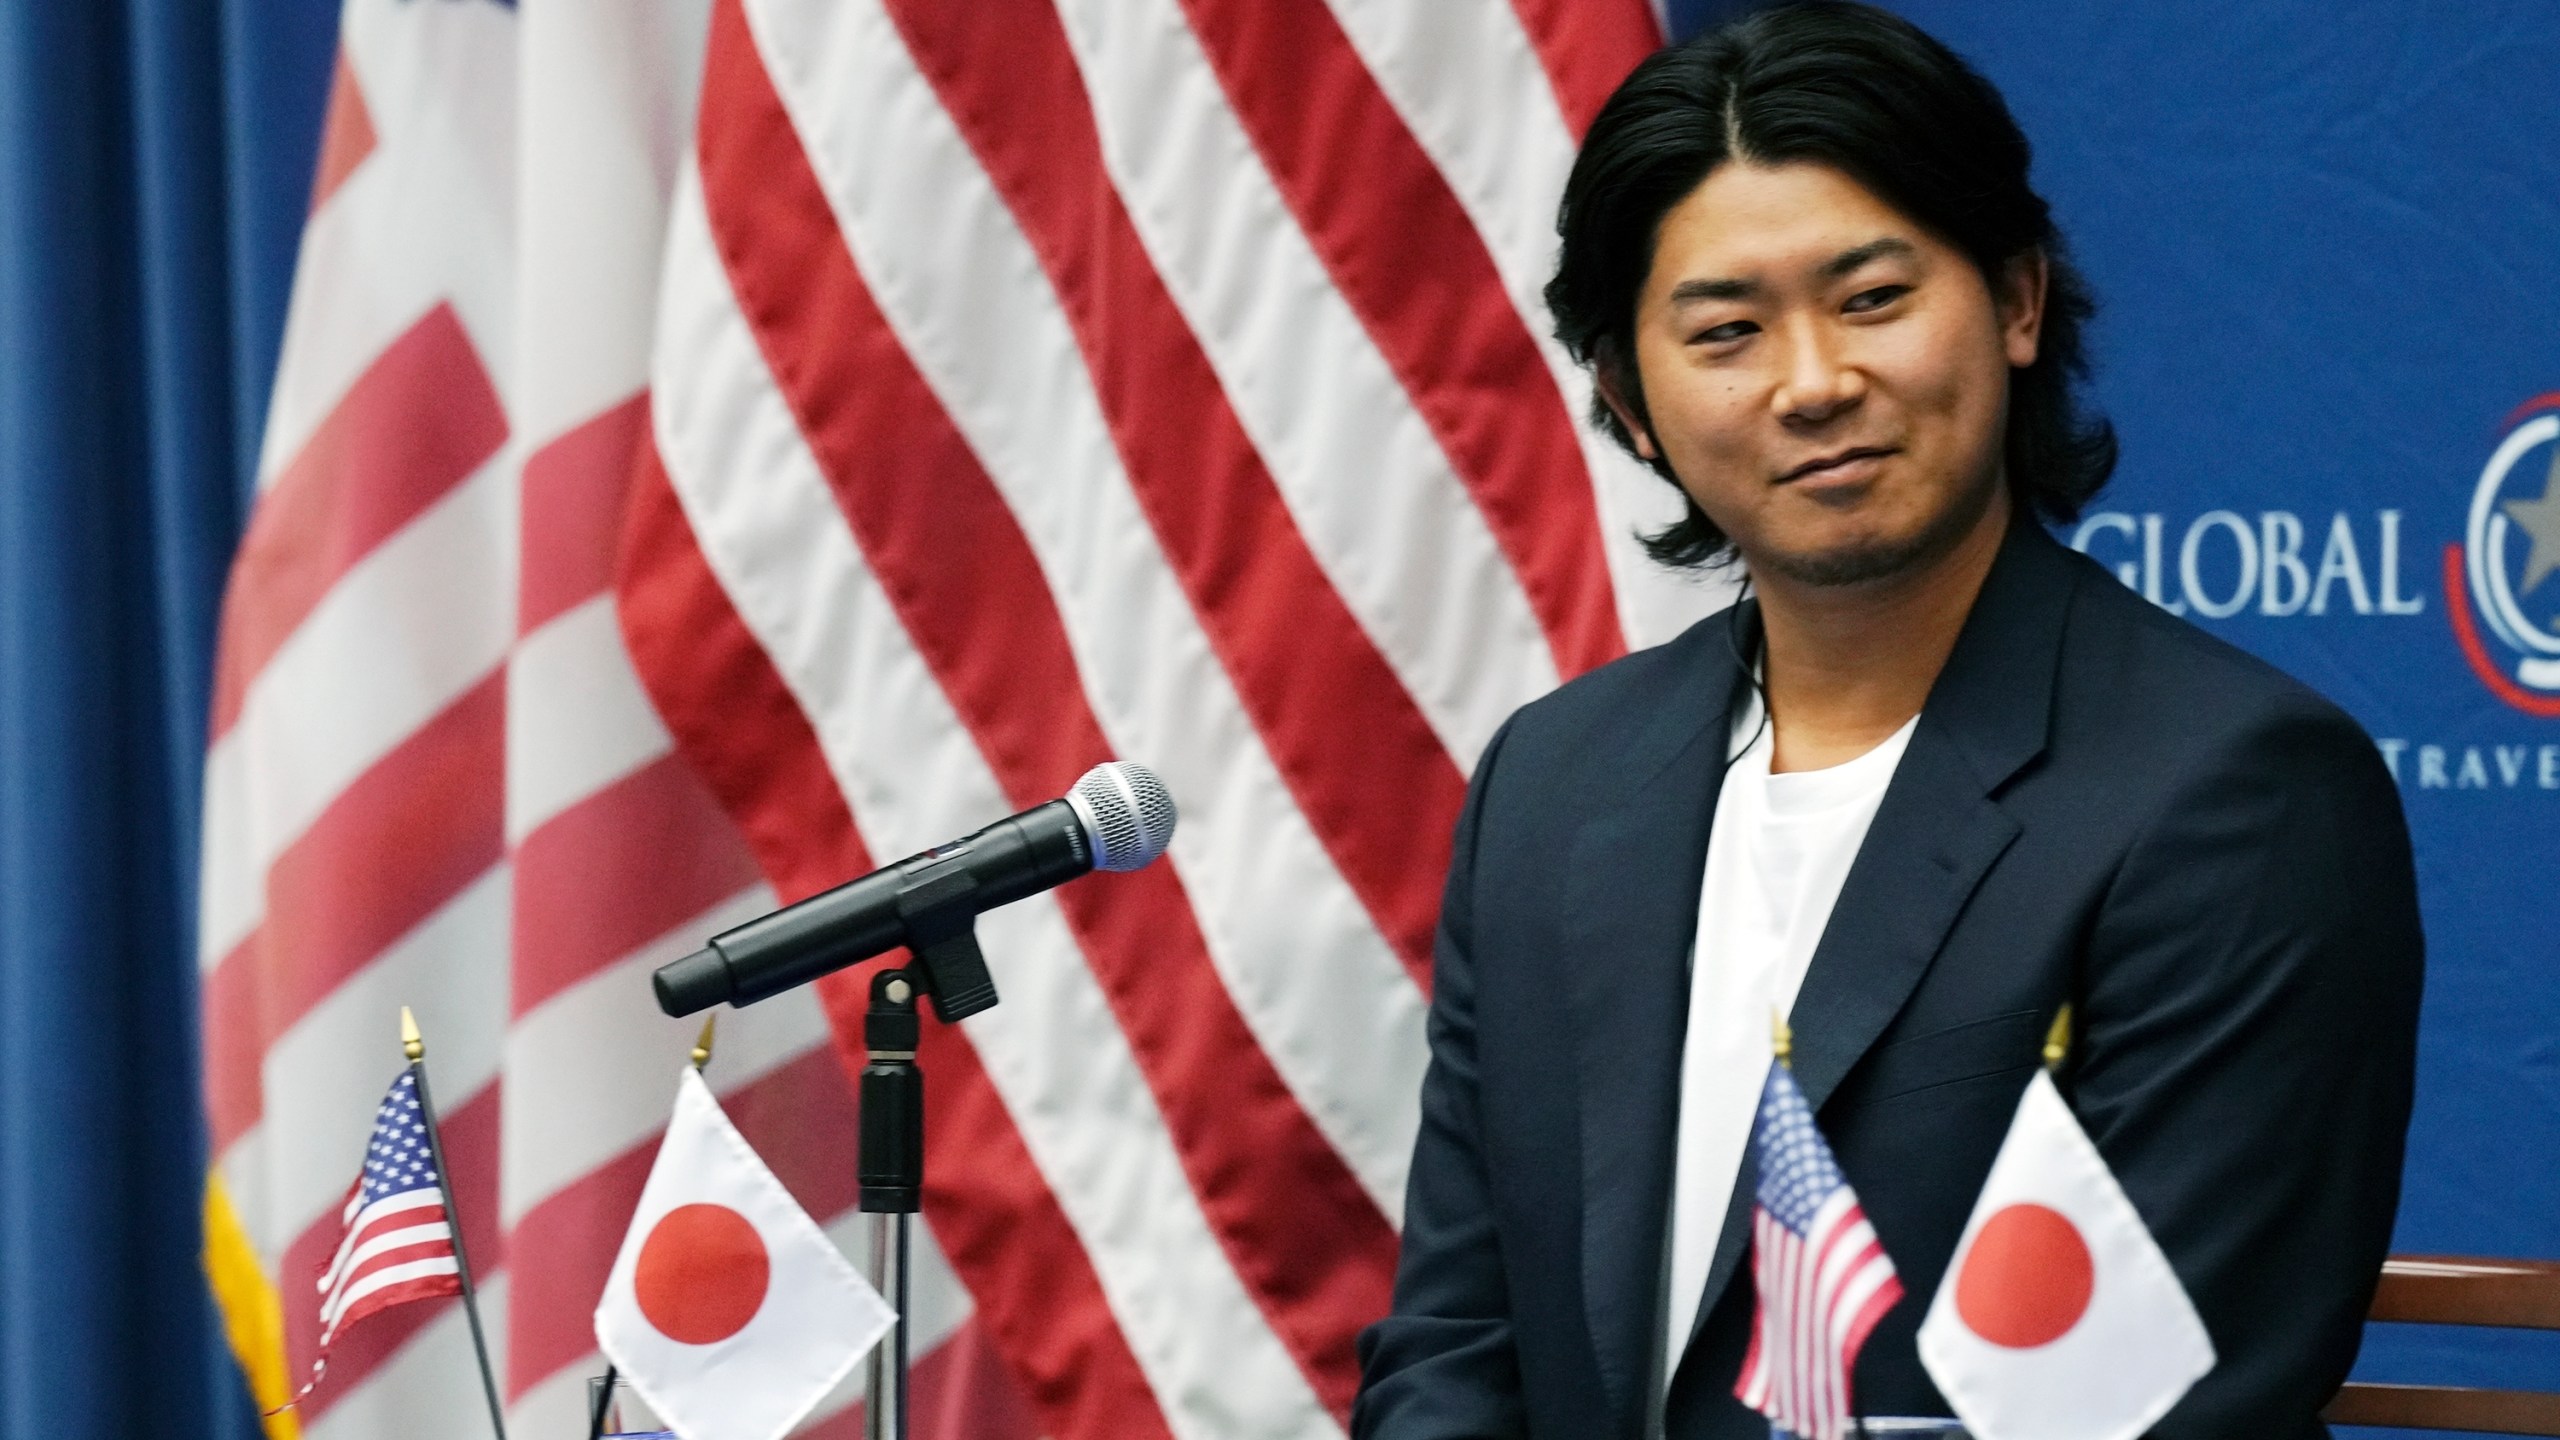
(2459, 1290)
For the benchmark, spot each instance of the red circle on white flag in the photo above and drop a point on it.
(2027, 1279)
(702, 1274)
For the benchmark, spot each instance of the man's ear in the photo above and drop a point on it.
(1605, 378)
(2021, 297)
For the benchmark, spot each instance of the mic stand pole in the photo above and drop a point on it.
(892, 1173)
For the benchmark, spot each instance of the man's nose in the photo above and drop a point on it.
(1816, 381)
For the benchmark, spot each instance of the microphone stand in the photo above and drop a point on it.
(1118, 817)
(891, 1162)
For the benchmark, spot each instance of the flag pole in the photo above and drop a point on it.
(413, 1045)
(604, 1403)
(604, 1396)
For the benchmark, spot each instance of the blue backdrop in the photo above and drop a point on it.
(2322, 233)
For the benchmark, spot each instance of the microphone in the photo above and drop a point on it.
(1118, 817)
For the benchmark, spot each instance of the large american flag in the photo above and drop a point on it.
(1822, 1277)
(721, 445)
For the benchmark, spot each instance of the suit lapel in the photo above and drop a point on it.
(1934, 837)
(1633, 874)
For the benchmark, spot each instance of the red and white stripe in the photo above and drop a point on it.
(664, 520)
(1820, 1293)
(397, 1249)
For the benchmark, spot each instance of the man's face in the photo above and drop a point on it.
(1828, 380)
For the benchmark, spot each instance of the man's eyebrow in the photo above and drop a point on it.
(1688, 290)
(1847, 261)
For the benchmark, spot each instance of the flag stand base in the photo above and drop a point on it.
(891, 1163)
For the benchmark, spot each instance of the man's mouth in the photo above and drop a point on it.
(1838, 462)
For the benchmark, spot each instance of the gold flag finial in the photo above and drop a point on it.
(412, 1044)
(1781, 1039)
(702, 1045)
(2057, 1041)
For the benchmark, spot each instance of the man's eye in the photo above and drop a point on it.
(1728, 331)
(1875, 299)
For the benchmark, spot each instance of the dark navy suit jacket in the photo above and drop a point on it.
(2100, 804)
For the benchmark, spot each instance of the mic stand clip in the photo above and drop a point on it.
(950, 971)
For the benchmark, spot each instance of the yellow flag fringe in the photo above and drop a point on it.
(252, 1316)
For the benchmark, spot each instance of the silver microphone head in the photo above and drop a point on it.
(1126, 813)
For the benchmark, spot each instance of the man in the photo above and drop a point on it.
(1937, 777)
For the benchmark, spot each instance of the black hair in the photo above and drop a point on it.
(1873, 96)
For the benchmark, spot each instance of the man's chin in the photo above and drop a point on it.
(1860, 562)
(1872, 558)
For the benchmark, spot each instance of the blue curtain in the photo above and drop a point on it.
(155, 158)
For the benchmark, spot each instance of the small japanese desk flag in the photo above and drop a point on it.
(728, 1309)
(2059, 1318)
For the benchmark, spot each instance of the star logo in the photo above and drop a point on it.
(2540, 521)
(2510, 547)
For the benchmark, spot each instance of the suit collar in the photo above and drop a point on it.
(1993, 702)
(1634, 884)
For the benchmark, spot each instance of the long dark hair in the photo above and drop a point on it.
(1871, 95)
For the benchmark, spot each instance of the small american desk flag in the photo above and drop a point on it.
(397, 1241)
(1822, 1276)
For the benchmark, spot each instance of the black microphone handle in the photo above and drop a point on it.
(1015, 857)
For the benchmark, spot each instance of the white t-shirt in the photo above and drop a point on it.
(1779, 850)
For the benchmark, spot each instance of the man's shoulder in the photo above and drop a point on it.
(2144, 683)
(1649, 700)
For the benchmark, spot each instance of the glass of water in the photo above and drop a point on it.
(626, 1415)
